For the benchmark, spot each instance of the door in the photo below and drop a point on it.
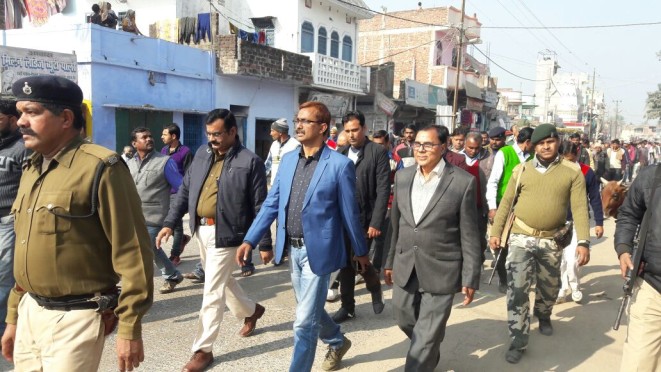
(263, 138)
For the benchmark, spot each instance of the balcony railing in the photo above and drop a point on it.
(335, 73)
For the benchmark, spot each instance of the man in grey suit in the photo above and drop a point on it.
(435, 251)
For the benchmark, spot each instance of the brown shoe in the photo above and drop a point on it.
(198, 362)
(250, 322)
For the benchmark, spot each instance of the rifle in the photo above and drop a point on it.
(637, 254)
(494, 267)
(630, 277)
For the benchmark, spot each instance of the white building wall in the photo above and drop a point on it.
(264, 99)
(289, 14)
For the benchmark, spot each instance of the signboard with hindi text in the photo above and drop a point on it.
(17, 63)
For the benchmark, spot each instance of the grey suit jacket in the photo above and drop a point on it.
(444, 246)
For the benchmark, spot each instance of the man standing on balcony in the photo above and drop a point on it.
(182, 156)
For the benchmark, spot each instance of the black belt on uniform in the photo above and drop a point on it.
(98, 302)
(296, 242)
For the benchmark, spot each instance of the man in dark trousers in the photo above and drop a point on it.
(372, 193)
(182, 156)
(435, 252)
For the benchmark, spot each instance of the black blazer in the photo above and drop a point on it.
(372, 184)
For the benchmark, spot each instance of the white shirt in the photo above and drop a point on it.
(353, 154)
(614, 162)
(469, 161)
(276, 153)
(497, 174)
(423, 189)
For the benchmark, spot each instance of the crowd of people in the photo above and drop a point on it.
(422, 212)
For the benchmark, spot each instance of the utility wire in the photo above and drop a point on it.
(502, 27)
(504, 69)
(553, 35)
(573, 27)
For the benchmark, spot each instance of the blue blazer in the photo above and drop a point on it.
(329, 209)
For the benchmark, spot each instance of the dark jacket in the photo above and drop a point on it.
(241, 192)
(630, 214)
(372, 184)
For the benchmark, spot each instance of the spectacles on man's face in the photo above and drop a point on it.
(216, 134)
(427, 146)
(304, 121)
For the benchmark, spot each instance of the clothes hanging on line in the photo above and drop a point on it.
(187, 30)
(203, 31)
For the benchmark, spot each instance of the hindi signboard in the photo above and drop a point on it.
(17, 63)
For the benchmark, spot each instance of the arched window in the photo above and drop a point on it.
(347, 49)
(307, 38)
(335, 45)
(322, 41)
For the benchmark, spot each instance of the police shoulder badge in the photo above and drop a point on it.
(27, 89)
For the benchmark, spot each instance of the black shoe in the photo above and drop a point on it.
(545, 327)
(502, 288)
(342, 315)
(377, 301)
(514, 355)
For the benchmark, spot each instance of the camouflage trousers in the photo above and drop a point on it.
(530, 260)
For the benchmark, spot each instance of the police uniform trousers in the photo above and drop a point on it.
(642, 348)
(57, 340)
(529, 260)
(220, 289)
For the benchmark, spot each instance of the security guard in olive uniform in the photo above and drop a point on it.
(79, 229)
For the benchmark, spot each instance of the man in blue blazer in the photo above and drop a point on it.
(313, 197)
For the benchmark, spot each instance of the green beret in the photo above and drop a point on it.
(542, 132)
(48, 89)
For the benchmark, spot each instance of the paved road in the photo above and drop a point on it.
(476, 338)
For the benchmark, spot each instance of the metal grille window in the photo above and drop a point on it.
(322, 41)
(347, 49)
(335, 45)
(307, 38)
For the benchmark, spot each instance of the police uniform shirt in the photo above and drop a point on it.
(206, 205)
(57, 256)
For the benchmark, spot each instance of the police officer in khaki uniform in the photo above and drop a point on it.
(79, 229)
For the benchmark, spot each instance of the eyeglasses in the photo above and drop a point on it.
(304, 121)
(424, 146)
(216, 134)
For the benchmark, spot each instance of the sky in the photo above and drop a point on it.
(625, 58)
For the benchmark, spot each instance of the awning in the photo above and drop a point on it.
(473, 91)
(152, 108)
(263, 22)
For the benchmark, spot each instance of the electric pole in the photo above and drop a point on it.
(455, 101)
(614, 128)
(591, 135)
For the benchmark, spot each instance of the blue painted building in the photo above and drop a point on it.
(131, 80)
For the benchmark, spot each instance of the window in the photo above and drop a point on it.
(322, 41)
(307, 38)
(335, 45)
(438, 53)
(347, 46)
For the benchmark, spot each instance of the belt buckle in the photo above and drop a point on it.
(296, 242)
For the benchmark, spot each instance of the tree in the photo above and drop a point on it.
(653, 107)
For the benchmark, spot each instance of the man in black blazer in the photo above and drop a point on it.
(435, 251)
(372, 194)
